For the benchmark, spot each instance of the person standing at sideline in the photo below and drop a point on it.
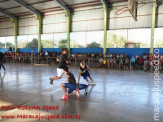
(1, 61)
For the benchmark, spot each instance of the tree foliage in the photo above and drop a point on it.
(159, 43)
(62, 44)
(9, 44)
(47, 43)
(116, 41)
(2, 45)
(94, 45)
(32, 44)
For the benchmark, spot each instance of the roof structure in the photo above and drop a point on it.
(44, 6)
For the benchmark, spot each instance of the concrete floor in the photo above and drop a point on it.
(119, 96)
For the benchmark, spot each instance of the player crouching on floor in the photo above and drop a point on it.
(68, 88)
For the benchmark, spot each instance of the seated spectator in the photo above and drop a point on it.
(100, 63)
(92, 55)
(104, 63)
(10, 50)
(136, 57)
(144, 56)
(49, 59)
(95, 56)
(126, 66)
(75, 55)
(117, 56)
(26, 59)
(141, 63)
(113, 55)
(38, 59)
(133, 62)
(114, 62)
(46, 54)
(89, 55)
(31, 58)
(79, 55)
(19, 57)
(121, 63)
(125, 56)
(85, 56)
(136, 63)
(121, 55)
(13, 58)
(111, 63)
(110, 56)
(161, 56)
(100, 55)
(107, 55)
(146, 64)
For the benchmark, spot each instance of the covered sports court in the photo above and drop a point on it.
(120, 40)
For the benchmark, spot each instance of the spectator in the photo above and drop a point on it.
(125, 56)
(104, 63)
(144, 56)
(113, 55)
(126, 66)
(141, 62)
(133, 62)
(100, 62)
(136, 57)
(46, 54)
(114, 62)
(13, 58)
(10, 50)
(100, 55)
(121, 63)
(111, 63)
(117, 58)
(146, 64)
(92, 55)
(1, 61)
(110, 56)
(121, 55)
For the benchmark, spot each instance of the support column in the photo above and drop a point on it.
(68, 29)
(153, 25)
(105, 27)
(39, 31)
(15, 21)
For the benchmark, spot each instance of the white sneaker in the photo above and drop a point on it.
(93, 83)
(89, 83)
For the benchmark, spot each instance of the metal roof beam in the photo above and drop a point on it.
(104, 2)
(62, 5)
(7, 14)
(27, 7)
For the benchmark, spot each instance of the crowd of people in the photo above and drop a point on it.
(109, 60)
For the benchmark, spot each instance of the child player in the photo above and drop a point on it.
(85, 72)
(63, 61)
